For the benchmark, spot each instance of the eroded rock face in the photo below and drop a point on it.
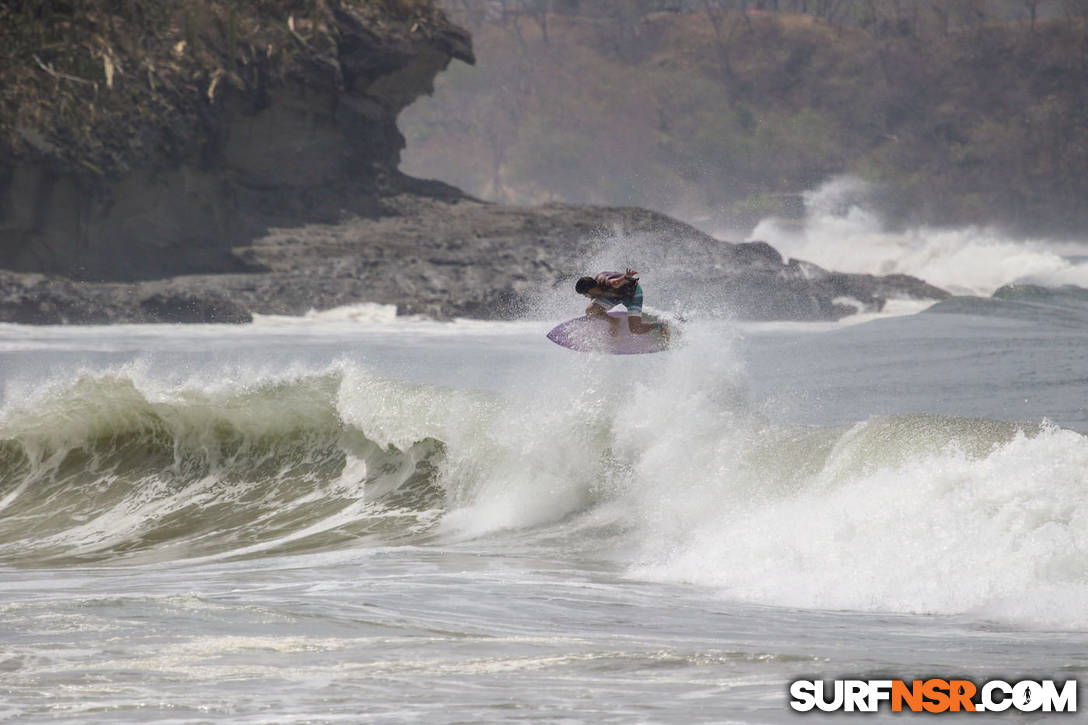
(235, 139)
(458, 257)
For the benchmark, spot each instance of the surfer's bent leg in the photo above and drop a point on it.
(634, 316)
(636, 326)
(600, 308)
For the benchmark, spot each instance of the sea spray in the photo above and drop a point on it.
(990, 523)
(903, 513)
(594, 426)
(547, 453)
(841, 232)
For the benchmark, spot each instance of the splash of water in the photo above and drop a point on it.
(840, 232)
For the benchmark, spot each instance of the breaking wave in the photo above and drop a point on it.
(904, 514)
(102, 469)
(664, 465)
(840, 232)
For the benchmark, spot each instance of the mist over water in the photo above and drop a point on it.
(839, 231)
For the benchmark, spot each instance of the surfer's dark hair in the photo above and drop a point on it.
(585, 284)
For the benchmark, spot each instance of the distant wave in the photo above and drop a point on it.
(368, 312)
(839, 232)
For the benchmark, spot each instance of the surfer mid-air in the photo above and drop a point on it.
(602, 328)
(609, 289)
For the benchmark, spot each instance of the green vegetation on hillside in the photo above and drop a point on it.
(104, 85)
(966, 111)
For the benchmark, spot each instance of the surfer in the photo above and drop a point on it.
(609, 289)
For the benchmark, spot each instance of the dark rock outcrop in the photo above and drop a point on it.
(1062, 305)
(447, 258)
(134, 149)
(46, 300)
(466, 258)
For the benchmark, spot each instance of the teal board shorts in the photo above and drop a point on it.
(633, 305)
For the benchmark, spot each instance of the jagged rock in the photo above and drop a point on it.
(44, 299)
(760, 250)
(187, 306)
(467, 258)
(1062, 305)
(1063, 295)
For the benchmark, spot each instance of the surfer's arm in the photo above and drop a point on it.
(616, 280)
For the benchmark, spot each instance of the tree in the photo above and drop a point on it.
(1033, 11)
(727, 18)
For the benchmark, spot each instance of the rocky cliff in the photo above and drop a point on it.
(142, 140)
(209, 159)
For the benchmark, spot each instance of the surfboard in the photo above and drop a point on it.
(594, 334)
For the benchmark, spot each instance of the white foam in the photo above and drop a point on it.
(1002, 535)
(840, 233)
(538, 457)
(913, 514)
(364, 312)
(568, 439)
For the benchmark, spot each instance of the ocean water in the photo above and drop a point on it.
(357, 518)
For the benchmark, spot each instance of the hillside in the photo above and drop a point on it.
(728, 116)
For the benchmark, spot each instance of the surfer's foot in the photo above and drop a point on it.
(665, 332)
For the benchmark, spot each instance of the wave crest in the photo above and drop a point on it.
(100, 469)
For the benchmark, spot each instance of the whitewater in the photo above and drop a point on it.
(840, 230)
(355, 517)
